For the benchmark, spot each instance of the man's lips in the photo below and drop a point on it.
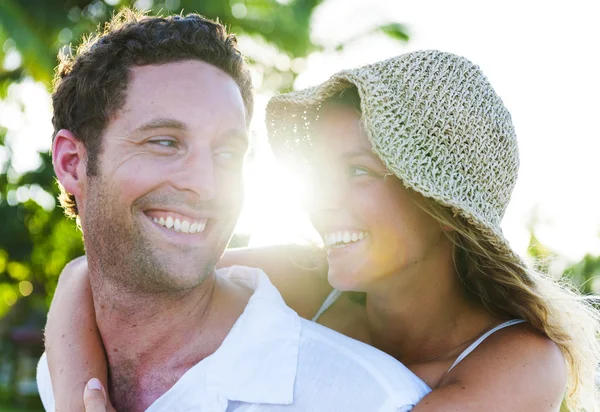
(177, 222)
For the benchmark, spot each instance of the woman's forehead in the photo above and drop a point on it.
(339, 128)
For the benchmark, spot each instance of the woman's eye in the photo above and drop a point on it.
(355, 171)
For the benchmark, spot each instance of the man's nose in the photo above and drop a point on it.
(196, 173)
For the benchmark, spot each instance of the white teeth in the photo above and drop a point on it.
(185, 226)
(347, 237)
(343, 237)
(330, 239)
(181, 226)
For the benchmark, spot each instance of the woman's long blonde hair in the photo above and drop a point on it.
(507, 287)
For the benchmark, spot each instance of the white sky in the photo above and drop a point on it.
(541, 57)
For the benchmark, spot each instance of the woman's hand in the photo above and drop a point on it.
(94, 397)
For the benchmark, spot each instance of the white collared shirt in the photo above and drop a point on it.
(273, 360)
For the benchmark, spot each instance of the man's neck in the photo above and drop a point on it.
(151, 340)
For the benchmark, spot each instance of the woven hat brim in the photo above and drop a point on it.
(287, 116)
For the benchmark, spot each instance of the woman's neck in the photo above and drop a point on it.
(423, 313)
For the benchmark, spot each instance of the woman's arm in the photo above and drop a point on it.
(73, 344)
(299, 272)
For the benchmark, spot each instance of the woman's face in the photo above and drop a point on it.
(369, 222)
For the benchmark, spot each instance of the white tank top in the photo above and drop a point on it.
(335, 294)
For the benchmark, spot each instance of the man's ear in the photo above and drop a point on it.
(69, 159)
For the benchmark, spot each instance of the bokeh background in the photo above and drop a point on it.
(541, 56)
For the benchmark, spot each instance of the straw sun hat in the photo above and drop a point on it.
(435, 122)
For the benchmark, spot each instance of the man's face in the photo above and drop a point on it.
(164, 204)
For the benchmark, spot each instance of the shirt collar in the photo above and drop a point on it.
(257, 361)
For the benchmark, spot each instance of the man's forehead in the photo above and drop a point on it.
(189, 91)
(192, 72)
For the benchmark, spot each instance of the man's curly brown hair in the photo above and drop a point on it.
(91, 85)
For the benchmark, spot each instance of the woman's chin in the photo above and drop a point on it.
(345, 280)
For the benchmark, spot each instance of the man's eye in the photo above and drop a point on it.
(165, 142)
(225, 154)
(229, 155)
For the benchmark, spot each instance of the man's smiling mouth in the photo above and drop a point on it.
(178, 223)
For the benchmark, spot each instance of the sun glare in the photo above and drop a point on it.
(272, 212)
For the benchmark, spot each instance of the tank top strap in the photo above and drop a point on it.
(331, 299)
(483, 337)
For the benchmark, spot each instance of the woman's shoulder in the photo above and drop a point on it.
(514, 360)
(519, 343)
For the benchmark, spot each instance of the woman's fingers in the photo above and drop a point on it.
(94, 396)
(77, 265)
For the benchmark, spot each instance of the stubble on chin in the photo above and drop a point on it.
(127, 261)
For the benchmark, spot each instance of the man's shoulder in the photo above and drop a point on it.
(318, 337)
(325, 358)
(242, 275)
(327, 349)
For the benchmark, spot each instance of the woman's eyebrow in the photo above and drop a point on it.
(359, 153)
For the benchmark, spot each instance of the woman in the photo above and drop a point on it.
(414, 160)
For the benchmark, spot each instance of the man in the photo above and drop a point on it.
(150, 123)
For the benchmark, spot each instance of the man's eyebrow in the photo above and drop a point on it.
(162, 123)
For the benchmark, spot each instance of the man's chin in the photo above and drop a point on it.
(187, 272)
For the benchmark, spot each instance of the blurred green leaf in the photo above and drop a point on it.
(585, 274)
(396, 31)
(30, 37)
